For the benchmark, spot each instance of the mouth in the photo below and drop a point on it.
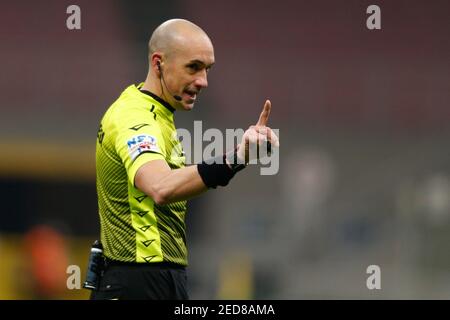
(191, 95)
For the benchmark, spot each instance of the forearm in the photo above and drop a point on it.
(176, 185)
(165, 185)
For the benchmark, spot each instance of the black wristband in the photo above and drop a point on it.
(217, 173)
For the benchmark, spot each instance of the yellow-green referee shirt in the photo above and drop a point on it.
(138, 127)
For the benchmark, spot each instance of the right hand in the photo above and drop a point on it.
(257, 136)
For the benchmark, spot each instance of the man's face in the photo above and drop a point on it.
(185, 73)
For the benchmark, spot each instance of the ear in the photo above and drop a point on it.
(155, 62)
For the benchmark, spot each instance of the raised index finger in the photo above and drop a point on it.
(264, 116)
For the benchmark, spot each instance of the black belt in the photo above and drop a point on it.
(156, 265)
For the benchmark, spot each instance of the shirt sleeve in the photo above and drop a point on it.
(139, 140)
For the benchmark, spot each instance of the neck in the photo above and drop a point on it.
(151, 84)
(154, 85)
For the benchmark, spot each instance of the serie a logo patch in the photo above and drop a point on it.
(140, 144)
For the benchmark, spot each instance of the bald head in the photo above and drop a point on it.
(176, 34)
(180, 56)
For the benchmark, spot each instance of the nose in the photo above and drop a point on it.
(202, 80)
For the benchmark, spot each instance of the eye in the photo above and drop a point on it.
(194, 67)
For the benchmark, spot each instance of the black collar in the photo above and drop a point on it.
(163, 102)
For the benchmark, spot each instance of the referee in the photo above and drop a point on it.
(142, 182)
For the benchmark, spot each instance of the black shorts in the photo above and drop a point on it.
(138, 281)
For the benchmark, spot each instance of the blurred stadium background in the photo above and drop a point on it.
(364, 123)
